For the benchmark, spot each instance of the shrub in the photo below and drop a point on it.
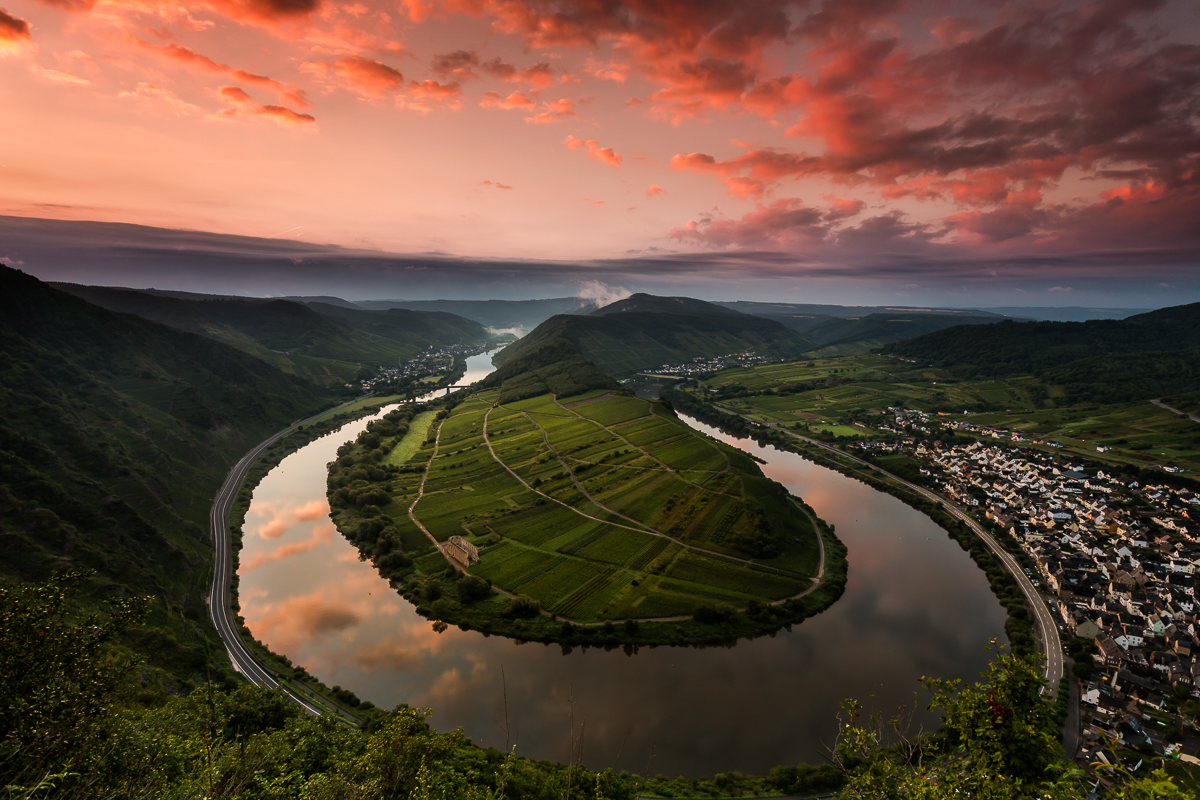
(523, 606)
(472, 589)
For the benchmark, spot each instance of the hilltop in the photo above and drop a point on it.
(643, 331)
(325, 342)
(1143, 356)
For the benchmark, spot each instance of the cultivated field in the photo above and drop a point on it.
(601, 507)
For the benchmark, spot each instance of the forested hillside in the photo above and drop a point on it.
(1103, 361)
(323, 342)
(643, 332)
(116, 434)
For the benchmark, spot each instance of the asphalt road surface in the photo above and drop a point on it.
(218, 593)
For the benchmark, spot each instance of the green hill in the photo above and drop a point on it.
(323, 342)
(643, 332)
(1106, 361)
(116, 435)
(557, 367)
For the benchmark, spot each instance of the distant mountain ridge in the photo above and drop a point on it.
(642, 302)
(1143, 356)
(625, 337)
(498, 315)
(850, 330)
(324, 342)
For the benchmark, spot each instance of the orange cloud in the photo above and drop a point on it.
(496, 185)
(202, 63)
(517, 99)
(14, 34)
(555, 111)
(655, 189)
(448, 93)
(320, 533)
(605, 155)
(366, 76)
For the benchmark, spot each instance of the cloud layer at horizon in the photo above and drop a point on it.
(775, 139)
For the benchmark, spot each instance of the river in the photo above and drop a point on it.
(915, 604)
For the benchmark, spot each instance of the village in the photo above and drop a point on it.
(1116, 559)
(702, 365)
(432, 361)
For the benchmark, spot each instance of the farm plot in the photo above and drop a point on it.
(741, 579)
(614, 411)
(650, 432)
(542, 404)
(616, 546)
(692, 453)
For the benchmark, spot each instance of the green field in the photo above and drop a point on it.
(599, 507)
(826, 397)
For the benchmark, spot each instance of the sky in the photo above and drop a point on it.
(983, 152)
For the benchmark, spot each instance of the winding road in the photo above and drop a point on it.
(1166, 407)
(219, 610)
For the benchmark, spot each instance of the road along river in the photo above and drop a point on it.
(915, 604)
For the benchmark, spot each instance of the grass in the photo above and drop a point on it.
(412, 441)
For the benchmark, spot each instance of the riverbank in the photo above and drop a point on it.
(343, 701)
(1018, 626)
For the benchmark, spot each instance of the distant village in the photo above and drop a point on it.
(433, 361)
(1116, 558)
(704, 365)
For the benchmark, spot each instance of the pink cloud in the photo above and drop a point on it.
(202, 63)
(605, 155)
(320, 534)
(367, 77)
(516, 99)
(655, 189)
(555, 111)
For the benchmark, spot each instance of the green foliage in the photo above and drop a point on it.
(998, 742)
(56, 678)
(472, 589)
(523, 606)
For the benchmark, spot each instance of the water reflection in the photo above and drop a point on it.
(914, 605)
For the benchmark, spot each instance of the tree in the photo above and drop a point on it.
(998, 742)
